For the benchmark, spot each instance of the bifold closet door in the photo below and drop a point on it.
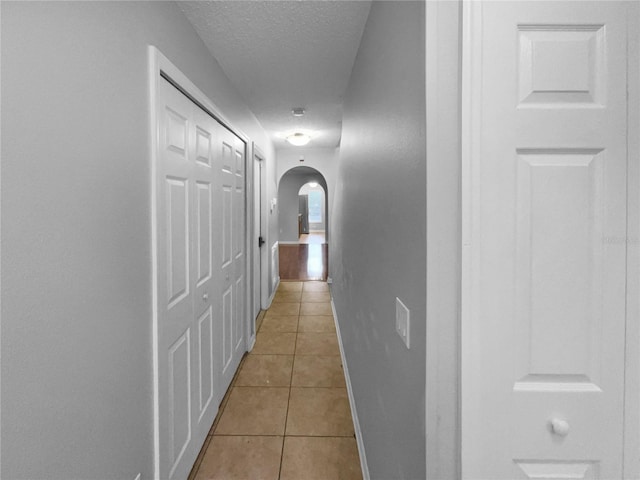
(544, 306)
(188, 318)
(232, 170)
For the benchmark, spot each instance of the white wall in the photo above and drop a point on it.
(325, 160)
(379, 246)
(76, 256)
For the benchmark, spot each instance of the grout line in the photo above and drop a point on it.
(286, 417)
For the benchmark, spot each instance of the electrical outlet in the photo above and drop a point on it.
(403, 323)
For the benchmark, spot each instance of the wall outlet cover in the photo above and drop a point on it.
(403, 323)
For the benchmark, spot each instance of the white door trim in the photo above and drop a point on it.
(160, 66)
(264, 258)
(442, 79)
(252, 239)
(471, 121)
(632, 368)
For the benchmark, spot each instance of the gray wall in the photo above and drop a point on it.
(379, 246)
(76, 263)
(288, 189)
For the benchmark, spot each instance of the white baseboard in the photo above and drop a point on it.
(273, 294)
(354, 413)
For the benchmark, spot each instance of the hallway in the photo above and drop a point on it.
(479, 164)
(286, 415)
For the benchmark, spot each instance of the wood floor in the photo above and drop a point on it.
(313, 237)
(305, 261)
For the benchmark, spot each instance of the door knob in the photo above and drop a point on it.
(559, 427)
(205, 297)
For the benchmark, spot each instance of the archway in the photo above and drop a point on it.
(312, 213)
(299, 259)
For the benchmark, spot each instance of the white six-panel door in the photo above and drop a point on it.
(545, 212)
(200, 241)
(232, 261)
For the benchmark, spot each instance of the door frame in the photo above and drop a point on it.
(470, 25)
(443, 24)
(632, 362)
(262, 252)
(158, 67)
(257, 162)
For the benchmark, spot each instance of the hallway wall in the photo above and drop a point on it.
(379, 246)
(76, 245)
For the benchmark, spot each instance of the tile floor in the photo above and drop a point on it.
(286, 415)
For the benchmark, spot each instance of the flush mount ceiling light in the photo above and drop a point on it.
(298, 112)
(298, 139)
(313, 184)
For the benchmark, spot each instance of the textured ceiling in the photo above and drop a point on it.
(285, 54)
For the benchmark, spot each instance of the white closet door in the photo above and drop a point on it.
(188, 393)
(233, 244)
(544, 306)
(206, 221)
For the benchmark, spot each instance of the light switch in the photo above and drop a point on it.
(403, 323)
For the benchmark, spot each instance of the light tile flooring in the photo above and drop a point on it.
(286, 415)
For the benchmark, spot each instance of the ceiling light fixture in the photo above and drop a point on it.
(298, 139)
(313, 184)
(298, 112)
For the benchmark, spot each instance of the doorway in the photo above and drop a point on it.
(200, 267)
(311, 214)
(303, 225)
(258, 238)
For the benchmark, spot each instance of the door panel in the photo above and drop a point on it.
(303, 210)
(177, 239)
(205, 363)
(227, 325)
(239, 309)
(559, 262)
(544, 328)
(203, 250)
(179, 399)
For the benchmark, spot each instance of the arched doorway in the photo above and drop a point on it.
(312, 214)
(303, 223)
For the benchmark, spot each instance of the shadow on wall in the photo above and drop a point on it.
(288, 202)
